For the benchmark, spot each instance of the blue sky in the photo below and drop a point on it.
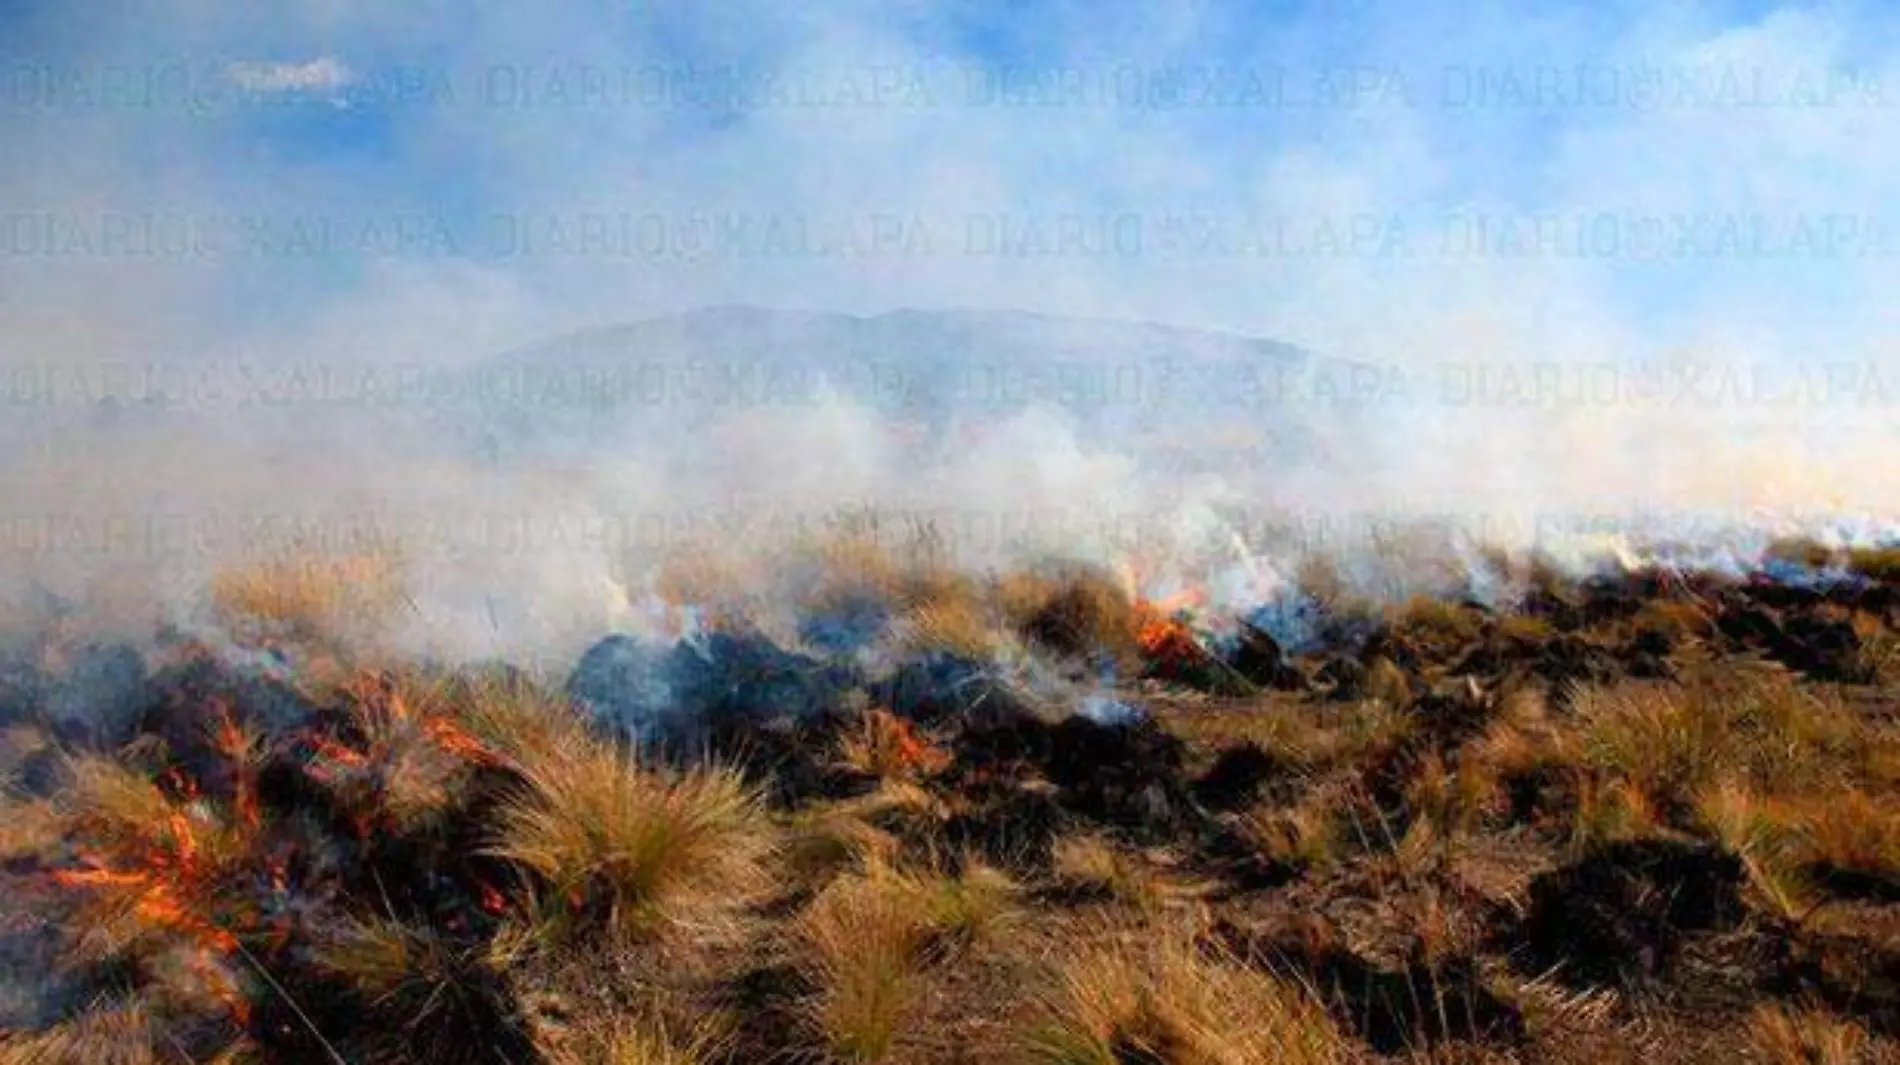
(1769, 123)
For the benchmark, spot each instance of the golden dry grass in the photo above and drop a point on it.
(1168, 998)
(1672, 741)
(1779, 1035)
(865, 945)
(521, 720)
(415, 783)
(108, 1033)
(1308, 835)
(957, 625)
(1672, 619)
(868, 936)
(1092, 865)
(1759, 832)
(310, 595)
(886, 746)
(29, 828)
(824, 842)
(1451, 801)
(633, 1041)
(1528, 628)
(1853, 832)
(385, 959)
(150, 863)
(1073, 610)
(1434, 629)
(623, 847)
(643, 897)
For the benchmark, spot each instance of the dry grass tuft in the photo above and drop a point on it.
(1853, 832)
(1758, 831)
(309, 596)
(631, 1041)
(424, 996)
(888, 747)
(956, 624)
(865, 948)
(1526, 628)
(723, 588)
(1780, 1036)
(521, 720)
(29, 828)
(869, 936)
(1673, 741)
(1092, 865)
(1310, 835)
(827, 841)
(108, 1033)
(1673, 620)
(1608, 810)
(1170, 999)
(385, 959)
(1074, 610)
(1434, 629)
(151, 865)
(1455, 800)
(625, 848)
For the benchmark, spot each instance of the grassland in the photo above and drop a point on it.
(1646, 817)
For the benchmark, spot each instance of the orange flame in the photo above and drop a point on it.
(333, 758)
(908, 750)
(155, 903)
(1164, 635)
(453, 738)
(231, 742)
(160, 877)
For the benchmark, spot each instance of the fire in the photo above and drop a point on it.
(155, 861)
(331, 759)
(187, 844)
(891, 742)
(914, 752)
(453, 738)
(389, 711)
(158, 880)
(235, 746)
(1162, 631)
(162, 878)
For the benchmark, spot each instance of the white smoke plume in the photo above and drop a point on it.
(1604, 281)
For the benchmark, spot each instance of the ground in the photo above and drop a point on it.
(1645, 816)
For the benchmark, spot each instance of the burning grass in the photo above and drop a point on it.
(1626, 817)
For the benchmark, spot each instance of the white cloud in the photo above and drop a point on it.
(325, 75)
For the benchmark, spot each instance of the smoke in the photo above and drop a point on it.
(1605, 281)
